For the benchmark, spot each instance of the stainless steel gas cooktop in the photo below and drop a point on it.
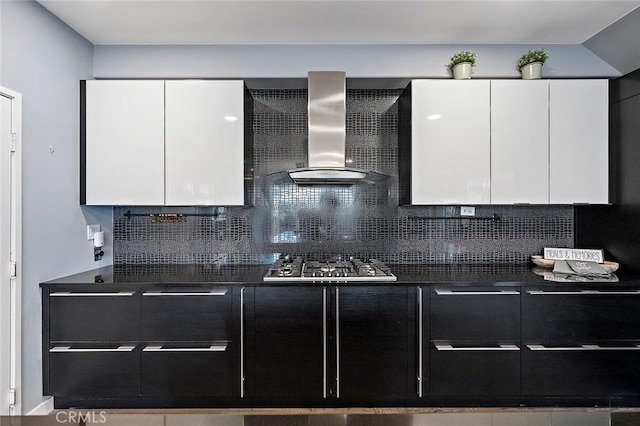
(353, 270)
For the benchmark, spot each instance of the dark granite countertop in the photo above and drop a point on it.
(252, 274)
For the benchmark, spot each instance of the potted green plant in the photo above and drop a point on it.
(530, 64)
(461, 63)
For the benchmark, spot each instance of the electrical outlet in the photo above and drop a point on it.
(92, 229)
(467, 211)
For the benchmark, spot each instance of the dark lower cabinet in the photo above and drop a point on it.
(581, 341)
(186, 314)
(94, 315)
(604, 369)
(475, 346)
(475, 313)
(475, 369)
(376, 342)
(181, 370)
(132, 344)
(580, 313)
(94, 370)
(188, 342)
(284, 346)
(336, 345)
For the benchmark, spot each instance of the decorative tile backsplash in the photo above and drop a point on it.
(327, 221)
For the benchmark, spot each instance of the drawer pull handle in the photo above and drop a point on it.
(582, 292)
(217, 292)
(122, 348)
(216, 347)
(420, 350)
(442, 292)
(242, 378)
(110, 294)
(584, 348)
(447, 347)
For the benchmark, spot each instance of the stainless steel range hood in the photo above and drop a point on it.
(327, 93)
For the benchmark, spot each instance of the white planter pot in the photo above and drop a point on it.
(462, 71)
(532, 71)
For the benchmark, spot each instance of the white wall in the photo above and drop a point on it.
(359, 61)
(619, 44)
(44, 60)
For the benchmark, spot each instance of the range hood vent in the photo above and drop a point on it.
(327, 94)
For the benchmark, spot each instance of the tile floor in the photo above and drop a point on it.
(523, 418)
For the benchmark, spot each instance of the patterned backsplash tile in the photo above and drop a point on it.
(327, 221)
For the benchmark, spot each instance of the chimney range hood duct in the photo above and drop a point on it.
(327, 93)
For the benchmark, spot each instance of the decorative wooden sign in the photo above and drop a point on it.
(590, 255)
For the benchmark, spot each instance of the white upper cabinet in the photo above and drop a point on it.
(204, 142)
(578, 141)
(177, 143)
(519, 141)
(504, 142)
(450, 148)
(124, 143)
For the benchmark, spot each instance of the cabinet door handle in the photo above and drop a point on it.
(215, 292)
(215, 347)
(448, 347)
(583, 292)
(324, 342)
(420, 342)
(108, 294)
(122, 348)
(242, 342)
(443, 292)
(584, 348)
(337, 342)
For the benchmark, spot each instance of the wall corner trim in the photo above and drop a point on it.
(42, 409)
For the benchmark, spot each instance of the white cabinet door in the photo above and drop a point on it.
(579, 141)
(124, 142)
(450, 142)
(204, 142)
(519, 141)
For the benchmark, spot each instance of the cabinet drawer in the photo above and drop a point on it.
(187, 369)
(94, 370)
(94, 316)
(581, 314)
(475, 368)
(475, 313)
(186, 314)
(603, 369)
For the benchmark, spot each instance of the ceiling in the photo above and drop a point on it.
(203, 22)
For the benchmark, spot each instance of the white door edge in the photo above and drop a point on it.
(15, 255)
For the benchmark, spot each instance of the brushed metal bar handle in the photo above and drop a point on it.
(582, 292)
(104, 294)
(216, 347)
(122, 348)
(324, 342)
(216, 292)
(583, 348)
(337, 342)
(447, 347)
(420, 354)
(242, 379)
(442, 292)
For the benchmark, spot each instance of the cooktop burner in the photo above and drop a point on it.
(297, 269)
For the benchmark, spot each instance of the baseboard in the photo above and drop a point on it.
(42, 409)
